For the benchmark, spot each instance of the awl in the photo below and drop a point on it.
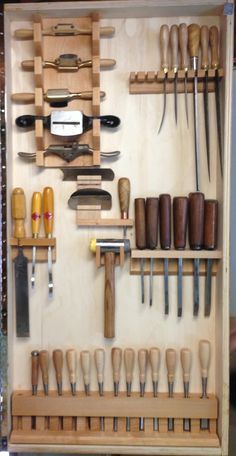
(165, 239)
(183, 45)
(209, 243)
(175, 65)
(48, 217)
(124, 198)
(180, 216)
(140, 235)
(36, 209)
(196, 223)
(205, 66)
(151, 236)
(164, 47)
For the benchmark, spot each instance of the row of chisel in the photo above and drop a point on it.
(194, 211)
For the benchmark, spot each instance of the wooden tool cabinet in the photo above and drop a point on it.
(155, 164)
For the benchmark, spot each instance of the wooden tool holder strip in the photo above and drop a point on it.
(42, 245)
(119, 258)
(152, 81)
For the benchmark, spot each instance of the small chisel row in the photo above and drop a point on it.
(194, 212)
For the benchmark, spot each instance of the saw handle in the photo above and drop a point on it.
(36, 209)
(151, 209)
(196, 220)
(205, 46)
(193, 40)
(48, 210)
(164, 46)
(124, 196)
(18, 207)
(186, 360)
(24, 34)
(109, 295)
(140, 225)
(180, 216)
(214, 42)
(27, 65)
(183, 45)
(174, 47)
(210, 224)
(165, 221)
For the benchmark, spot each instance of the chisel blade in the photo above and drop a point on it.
(180, 286)
(166, 285)
(22, 297)
(196, 287)
(208, 287)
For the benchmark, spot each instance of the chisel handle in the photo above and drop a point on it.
(99, 356)
(34, 370)
(193, 40)
(129, 357)
(180, 217)
(27, 65)
(23, 97)
(43, 362)
(174, 47)
(57, 357)
(151, 209)
(186, 361)
(142, 363)
(164, 46)
(85, 365)
(36, 209)
(196, 220)
(165, 221)
(214, 43)
(18, 207)
(107, 63)
(140, 225)
(109, 295)
(124, 196)
(204, 46)
(48, 210)
(71, 364)
(210, 224)
(24, 34)
(204, 357)
(171, 364)
(183, 45)
(154, 357)
(116, 358)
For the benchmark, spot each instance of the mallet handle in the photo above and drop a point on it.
(109, 295)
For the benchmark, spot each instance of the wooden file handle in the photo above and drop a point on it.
(23, 97)
(27, 65)
(99, 356)
(193, 40)
(151, 210)
(36, 209)
(171, 364)
(174, 47)
(124, 196)
(71, 364)
(186, 360)
(183, 45)
(18, 207)
(204, 357)
(129, 356)
(164, 46)
(205, 46)
(43, 362)
(109, 295)
(34, 367)
(24, 34)
(154, 357)
(196, 220)
(165, 221)
(142, 363)
(116, 357)
(85, 365)
(48, 210)
(140, 225)
(180, 216)
(210, 224)
(214, 42)
(57, 357)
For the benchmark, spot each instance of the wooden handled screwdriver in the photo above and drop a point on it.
(204, 36)
(129, 356)
(124, 198)
(142, 363)
(151, 236)
(48, 217)
(204, 357)
(180, 215)
(36, 209)
(57, 357)
(186, 361)
(85, 365)
(183, 45)
(154, 357)
(174, 36)
(171, 367)
(99, 357)
(140, 235)
(116, 358)
(164, 48)
(165, 239)
(34, 371)
(209, 243)
(43, 363)
(71, 362)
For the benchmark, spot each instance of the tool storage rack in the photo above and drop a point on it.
(156, 164)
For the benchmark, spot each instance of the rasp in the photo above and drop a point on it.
(183, 45)
(193, 44)
(164, 46)
(174, 65)
(48, 218)
(171, 367)
(209, 243)
(186, 361)
(20, 265)
(204, 358)
(165, 240)
(36, 209)
(151, 236)
(67, 62)
(67, 29)
(205, 66)
(214, 42)
(140, 236)
(180, 216)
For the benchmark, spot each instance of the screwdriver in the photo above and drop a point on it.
(85, 365)
(209, 243)
(129, 356)
(154, 357)
(71, 366)
(151, 209)
(34, 371)
(48, 212)
(116, 357)
(124, 197)
(174, 38)
(36, 209)
(142, 362)
(140, 234)
(186, 360)
(57, 357)
(43, 363)
(171, 366)
(204, 357)
(165, 239)
(99, 356)
(180, 209)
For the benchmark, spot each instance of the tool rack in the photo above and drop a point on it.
(155, 164)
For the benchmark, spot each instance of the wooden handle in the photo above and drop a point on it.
(165, 221)
(186, 360)
(36, 210)
(171, 364)
(27, 65)
(204, 357)
(140, 225)
(48, 210)
(124, 196)
(71, 364)
(43, 362)
(154, 357)
(18, 207)
(196, 220)
(107, 31)
(129, 356)
(180, 217)
(23, 97)
(57, 357)
(193, 39)
(205, 46)
(142, 363)
(174, 47)
(99, 356)
(109, 296)
(151, 209)
(214, 42)
(164, 46)
(107, 63)
(116, 357)
(85, 365)
(24, 34)
(183, 45)
(34, 367)
(210, 224)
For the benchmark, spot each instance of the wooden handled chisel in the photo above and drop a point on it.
(196, 224)
(48, 217)
(116, 358)
(154, 358)
(99, 357)
(165, 239)
(85, 360)
(171, 367)
(204, 357)
(151, 236)
(124, 198)
(140, 235)
(43, 363)
(175, 65)
(34, 371)
(205, 66)
(71, 362)
(36, 209)
(209, 243)
(180, 216)
(142, 363)
(186, 361)
(57, 357)
(129, 356)
(164, 48)
(183, 45)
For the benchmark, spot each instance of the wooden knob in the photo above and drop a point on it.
(36, 210)
(48, 210)
(57, 357)
(214, 42)
(18, 207)
(174, 47)
(43, 362)
(183, 45)
(151, 210)
(154, 357)
(180, 217)
(124, 196)
(196, 220)
(34, 367)
(85, 364)
(205, 46)
(116, 357)
(23, 97)
(71, 364)
(24, 34)
(186, 360)
(107, 31)
(165, 221)
(164, 46)
(107, 63)
(193, 40)
(204, 357)
(171, 364)
(27, 65)
(99, 356)
(210, 224)
(142, 363)
(140, 225)
(129, 356)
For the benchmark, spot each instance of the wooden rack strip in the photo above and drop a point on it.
(186, 254)
(42, 245)
(158, 267)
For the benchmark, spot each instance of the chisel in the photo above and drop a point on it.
(62, 30)
(36, 209)
(124, 197)
(180, 215)
(43, 363)
(154, 357)
(68, 62)
(186, 361)
(214, 43)
(171, 366)
(183, 45)
(57, 357)
(209, 243)
(165, 239)
(71, 362)
(142, 363)
(20, 265)
(175, 65)
(196, 224)
(205, 66)
(34, 371)
(129, 356)
(85, 365)
(116, 357)
(99, 357)
(204, 357)
(48, 217)
(57, 98)
(164, 47)
(193, 43)
(140, 235)
(151, 209)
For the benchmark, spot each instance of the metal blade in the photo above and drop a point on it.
(166, 285)
(208, 288)
(186, 97)
(151, 281)
(66, 123)
(206, 111)
(164, 105)
(196, 126)
(175, 95)
(218, 118)
(71, 173)
(33, 266)
(180, 289)
(50, 281)
(90, 196)
(142, 279)
(22, 297)
(196, 287)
